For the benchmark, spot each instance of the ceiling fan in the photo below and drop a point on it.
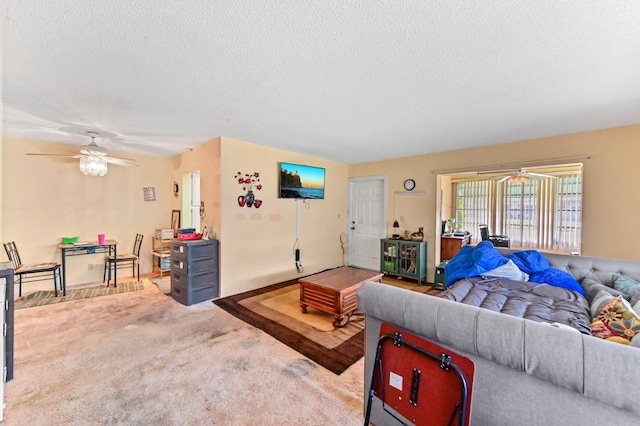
(518, 176)
(93, 158)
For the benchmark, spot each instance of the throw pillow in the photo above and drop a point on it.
(557, 278)
(616, 322)
(509, 270)
(625, 284)
(636, 308)
(599, 301)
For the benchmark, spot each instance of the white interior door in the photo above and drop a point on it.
(367, 221)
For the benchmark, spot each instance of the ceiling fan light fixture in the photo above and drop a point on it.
(94, 166)
(516, 179)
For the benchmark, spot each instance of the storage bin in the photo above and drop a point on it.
(195, 296)
(193, 282)
(194, 271)
(196, 266)
(193, 249)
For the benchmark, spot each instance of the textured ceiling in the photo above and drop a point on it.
(350, 81)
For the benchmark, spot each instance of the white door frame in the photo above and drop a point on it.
(384, 226)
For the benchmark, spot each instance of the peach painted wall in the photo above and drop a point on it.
(610, 200)
(45, 199)
(205, 159)
(257, 244)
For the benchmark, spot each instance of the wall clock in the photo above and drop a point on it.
(409, 184)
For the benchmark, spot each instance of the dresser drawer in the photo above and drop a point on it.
(197, 266)
(193, 282)
(192, 250)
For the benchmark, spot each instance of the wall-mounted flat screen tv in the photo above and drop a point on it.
(298, 181)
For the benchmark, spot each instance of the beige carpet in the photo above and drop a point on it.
(42, 297)
(141, 358)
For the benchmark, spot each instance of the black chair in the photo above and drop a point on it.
(496, 240)
(35, 272)
(123, 261)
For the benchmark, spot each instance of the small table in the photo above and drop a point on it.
(334, 291)
(78, 249)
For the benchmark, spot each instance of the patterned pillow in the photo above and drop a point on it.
(616, 322)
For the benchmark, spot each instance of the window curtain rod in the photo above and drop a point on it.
(505, 167)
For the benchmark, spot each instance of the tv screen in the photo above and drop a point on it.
(298, 181)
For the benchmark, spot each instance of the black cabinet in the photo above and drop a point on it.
(194, 271)
(6, 275)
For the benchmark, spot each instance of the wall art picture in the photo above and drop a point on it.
(149, 193)
(249, 183)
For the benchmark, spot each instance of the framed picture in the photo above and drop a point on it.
(175, 221)
(149, 193)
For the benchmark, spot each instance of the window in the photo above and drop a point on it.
(535, 212)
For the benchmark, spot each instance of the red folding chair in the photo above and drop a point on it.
(420, 382)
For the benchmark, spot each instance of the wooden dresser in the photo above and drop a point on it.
(449, 245)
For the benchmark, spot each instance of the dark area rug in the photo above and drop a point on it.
(41, 298)
(273, 310)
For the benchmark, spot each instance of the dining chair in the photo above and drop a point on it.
(34, 272)
(124, 261)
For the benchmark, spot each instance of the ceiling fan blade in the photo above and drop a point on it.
(503, 179)
(57, 155)
(122, 161)
(539, 176)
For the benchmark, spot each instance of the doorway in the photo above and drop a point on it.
(367, 221)
(191, 201)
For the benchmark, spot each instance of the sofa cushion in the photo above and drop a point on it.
(592, 286)
(557, 278)
(599, 301)
(616, 322)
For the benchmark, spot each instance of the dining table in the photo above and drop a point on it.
(84, 248)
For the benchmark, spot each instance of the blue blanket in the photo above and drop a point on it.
(474, 261)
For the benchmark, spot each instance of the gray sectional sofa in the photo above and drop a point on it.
(526, 372)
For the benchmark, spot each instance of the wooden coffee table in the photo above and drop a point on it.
(334, 291)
